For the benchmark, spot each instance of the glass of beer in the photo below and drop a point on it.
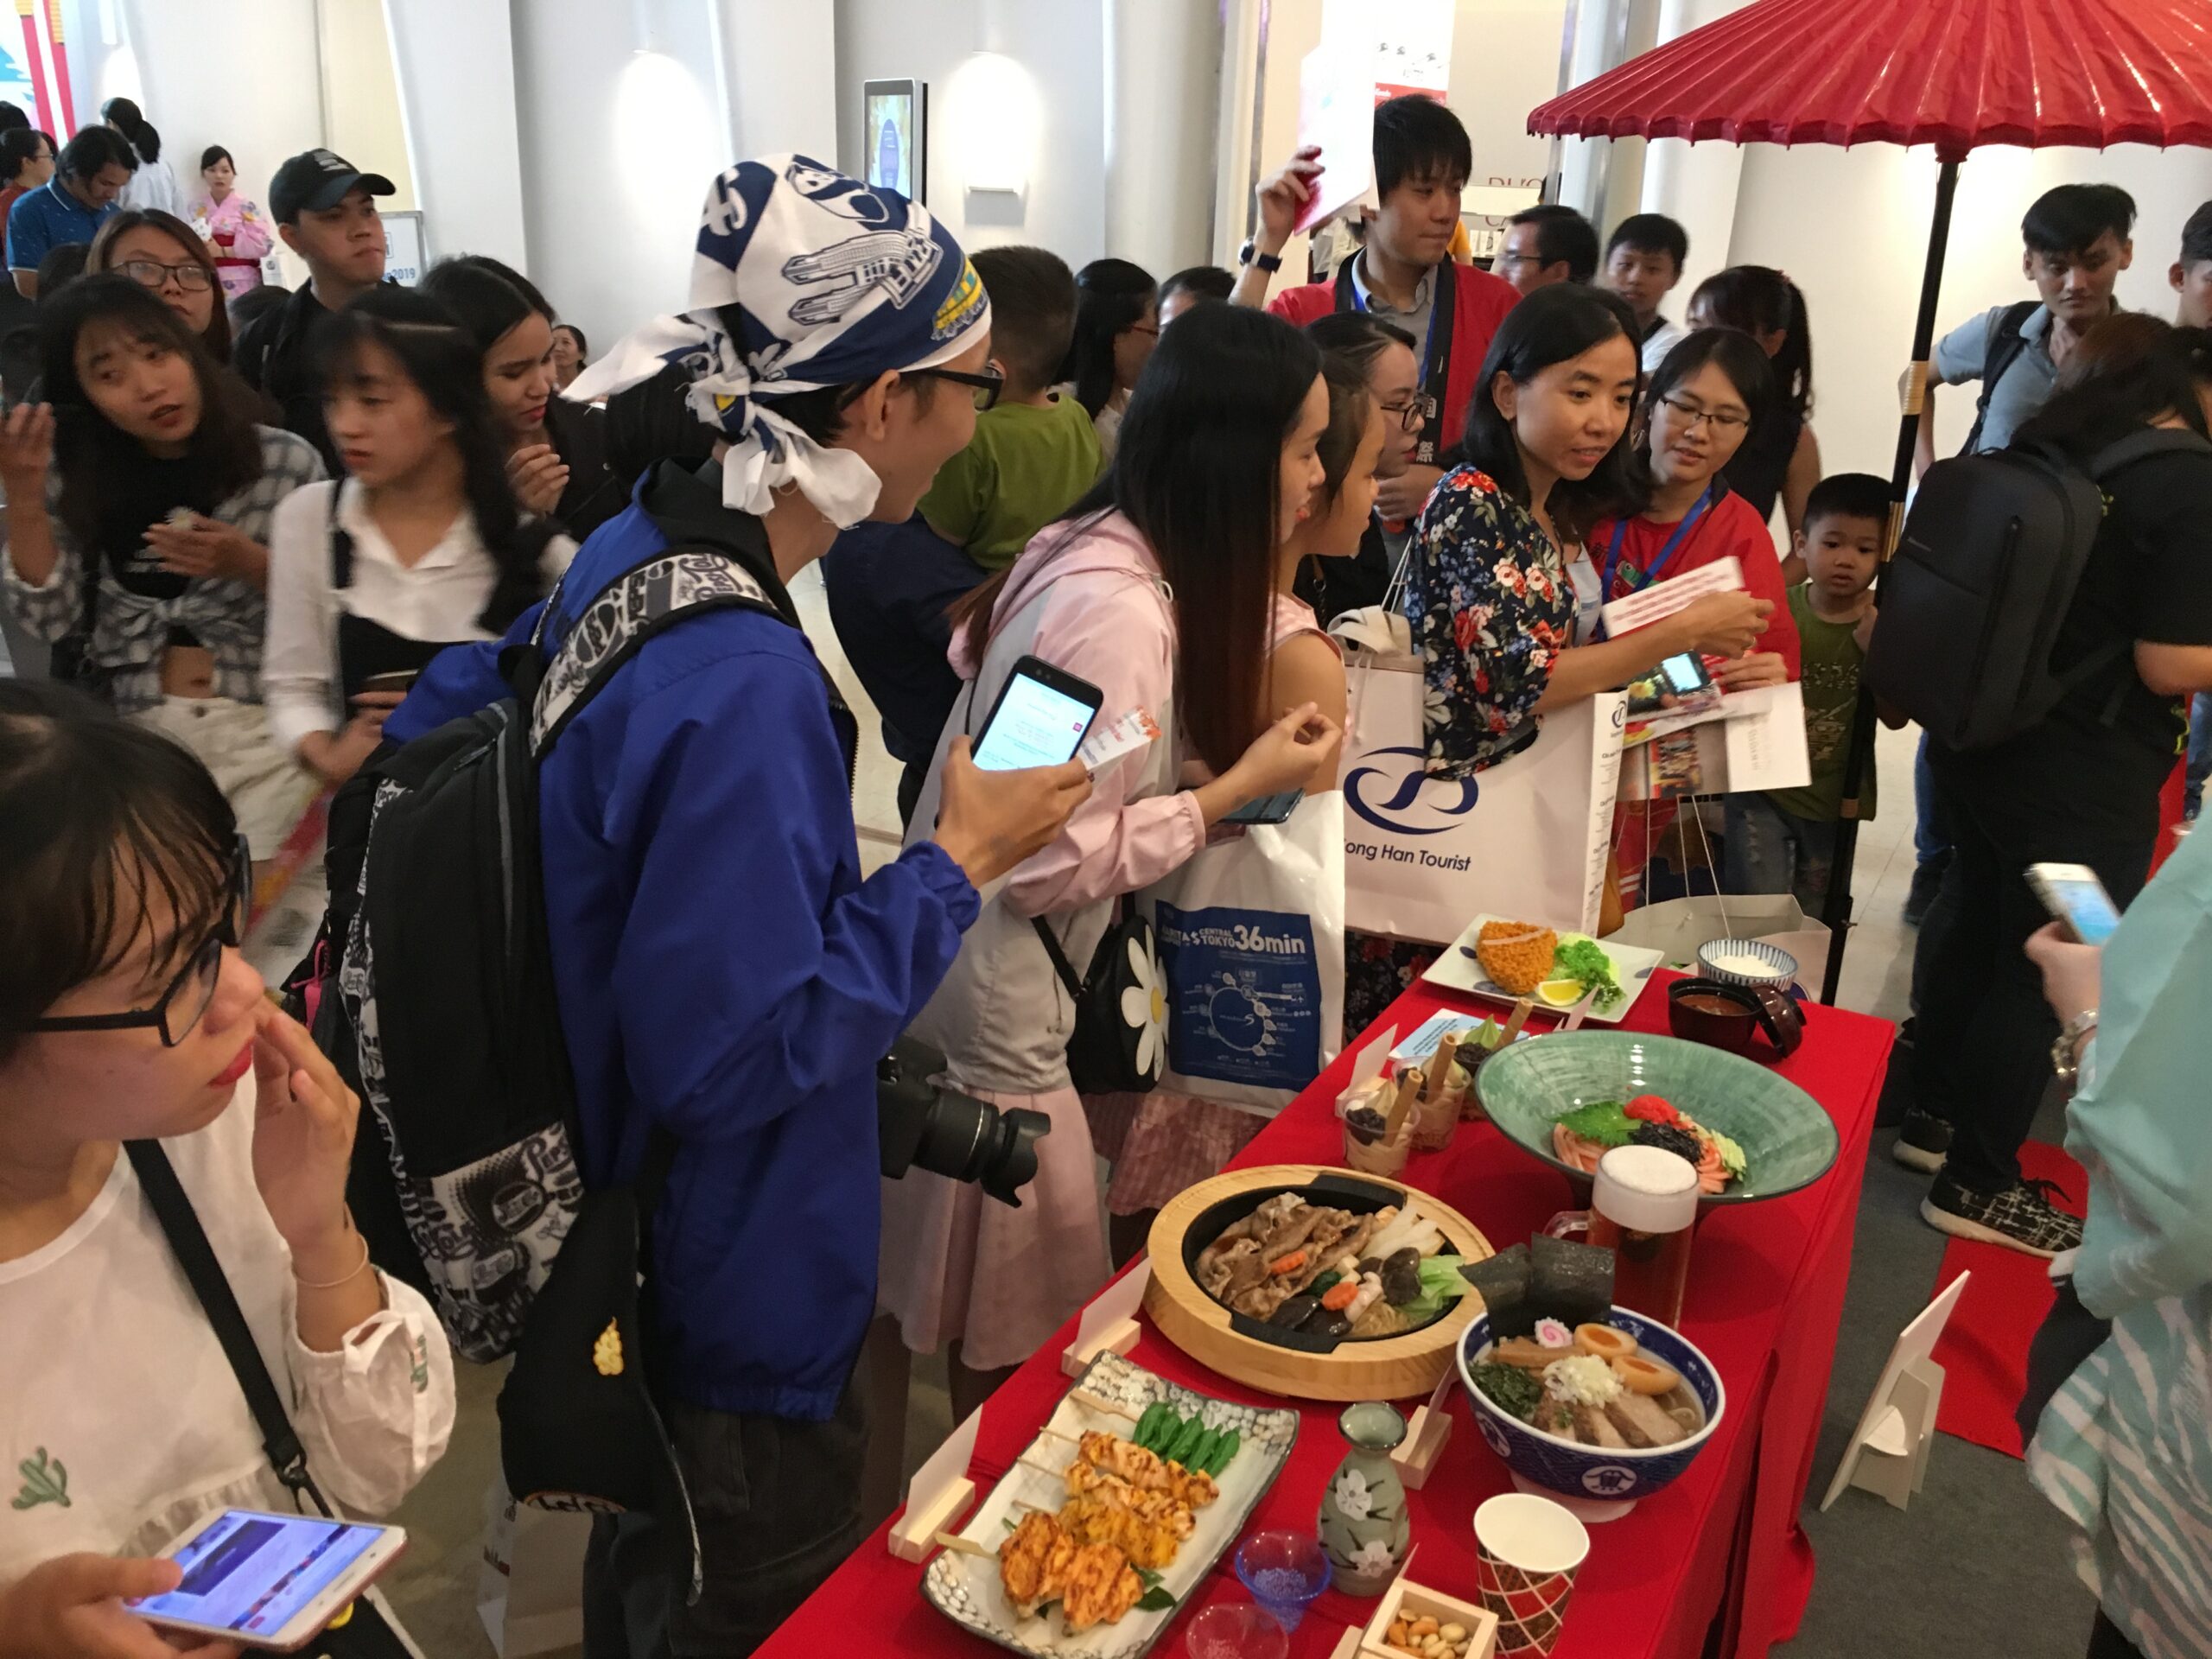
(1644, 1210)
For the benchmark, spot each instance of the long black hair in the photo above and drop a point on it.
(1735, 354)
(1198, 471)
(485, 301)
(436, 351)
(1111, 295)
(89, 453)
(2128, 373)
(1552, 325)
(103, 825)
(1759, 300)
(131, 121)
(1349, 406)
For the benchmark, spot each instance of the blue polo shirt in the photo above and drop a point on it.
(49, 218)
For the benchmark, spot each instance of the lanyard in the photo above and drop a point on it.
(1435, 350)
(1682, 534)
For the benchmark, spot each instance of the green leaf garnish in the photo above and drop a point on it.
(1155, 1601)
(1603, 1121)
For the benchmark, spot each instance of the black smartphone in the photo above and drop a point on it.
(1268, 809)
(1686, 674)
(1039, 719)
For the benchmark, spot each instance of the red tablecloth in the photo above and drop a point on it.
(1766, 1295)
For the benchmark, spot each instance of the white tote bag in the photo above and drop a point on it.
(1525, 838)
(1250, 934)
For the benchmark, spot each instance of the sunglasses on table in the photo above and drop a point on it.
(179, 1007)
(985, 387)
(151, 273)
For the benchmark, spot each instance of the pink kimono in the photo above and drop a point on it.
(239, 232)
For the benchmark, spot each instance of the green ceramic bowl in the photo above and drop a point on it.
(1789, 1141)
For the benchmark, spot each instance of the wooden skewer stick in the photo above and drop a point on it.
(1110, 1408)
(1046, 1428)
(1408, 1089)
(960, 1546)
(1042, 1468)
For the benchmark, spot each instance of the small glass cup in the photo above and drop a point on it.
(1235, 1630)
(1371, 1154)
(1285, 1571)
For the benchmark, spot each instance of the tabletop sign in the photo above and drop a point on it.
(1426, 1431)
(937, 1494)
(1110, 1324)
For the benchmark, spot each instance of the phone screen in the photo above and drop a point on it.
(1268, 809)
(1686, 673)
(2087, 908)
(253, 1574)
(1033, 725)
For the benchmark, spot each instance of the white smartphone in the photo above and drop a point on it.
(2072, 893)
(271, 1581)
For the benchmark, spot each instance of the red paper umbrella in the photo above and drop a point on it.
(1953, 73)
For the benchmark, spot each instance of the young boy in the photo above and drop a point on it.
(1035, 453)
(1783, 840)
(1643, 261)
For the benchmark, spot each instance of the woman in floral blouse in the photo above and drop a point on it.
(1544, 456)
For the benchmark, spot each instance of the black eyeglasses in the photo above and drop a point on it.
(181, 1006)
(1412, 417)
(987, 385)
(1692, 413)
(151, 273)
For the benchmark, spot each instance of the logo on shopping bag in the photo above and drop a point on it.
(1406, 812)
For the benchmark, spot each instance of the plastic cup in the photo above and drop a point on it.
(1284, 1571)
(1528, 1550)
(1235, 1630)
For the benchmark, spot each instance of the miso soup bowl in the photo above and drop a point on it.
(1597, 1483)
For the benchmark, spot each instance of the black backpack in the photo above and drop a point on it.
(2004, 348)
(443, 970)
(1982, 581)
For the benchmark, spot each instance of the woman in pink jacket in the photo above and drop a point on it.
(1159, 590)
(237, 231)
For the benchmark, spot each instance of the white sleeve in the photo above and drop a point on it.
(299, 668)
(375, 1414)
(554, 562)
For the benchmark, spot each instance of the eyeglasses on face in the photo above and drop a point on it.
(181, 1007)
(151, 273)
(987, 386)
(1413, 415)
(1719, 420)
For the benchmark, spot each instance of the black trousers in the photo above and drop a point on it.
(1982, 1056)
(2107, 1642)
(777, 1504)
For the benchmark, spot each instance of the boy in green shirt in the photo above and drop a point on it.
(1784, 840)
(1035, 452)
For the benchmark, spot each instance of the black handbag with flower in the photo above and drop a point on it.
(1118, 1044)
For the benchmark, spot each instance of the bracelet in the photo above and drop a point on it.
(2066, 1053)
(349, 1275)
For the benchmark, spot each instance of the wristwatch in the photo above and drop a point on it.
(2066, 1053)
(1250, 254)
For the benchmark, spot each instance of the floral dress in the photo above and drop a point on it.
(1492, 607)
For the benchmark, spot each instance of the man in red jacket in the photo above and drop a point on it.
(1404, 272)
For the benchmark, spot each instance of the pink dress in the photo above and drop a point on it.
(1161, 1142)
(239, 232)
(955, 1264)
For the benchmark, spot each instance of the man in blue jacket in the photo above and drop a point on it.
(722, 970)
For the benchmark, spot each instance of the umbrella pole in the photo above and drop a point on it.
(1859, 756)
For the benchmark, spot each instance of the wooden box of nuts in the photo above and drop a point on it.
(1413, 1620)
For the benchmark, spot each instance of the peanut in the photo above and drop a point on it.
(1424, 1626)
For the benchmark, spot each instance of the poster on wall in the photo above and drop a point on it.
(406, 250)
(896, 114)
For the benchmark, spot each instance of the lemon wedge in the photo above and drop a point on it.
(1560, 993)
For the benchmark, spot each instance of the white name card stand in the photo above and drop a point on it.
(1426, 1431)
(1888, 1453)
(938, 1495)
(1110, 1324)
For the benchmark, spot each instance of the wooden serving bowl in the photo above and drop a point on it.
(1285, 1362)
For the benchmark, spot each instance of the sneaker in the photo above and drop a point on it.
(1927, 882)
(1923, 1142)
(2020, 1218)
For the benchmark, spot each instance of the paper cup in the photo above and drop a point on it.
(1528, 1550)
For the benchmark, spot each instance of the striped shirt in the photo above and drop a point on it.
(130, 631)
(2125, 1448)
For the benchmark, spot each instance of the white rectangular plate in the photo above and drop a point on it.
(1456, 967)
(965, 1588)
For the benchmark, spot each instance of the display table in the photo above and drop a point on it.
(1721, 1544)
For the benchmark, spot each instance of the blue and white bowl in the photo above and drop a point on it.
(1781, 967)
(1597, 1483)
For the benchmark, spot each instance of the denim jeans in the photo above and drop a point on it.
(1772, 851)
(2200, 753)
(1931, 836)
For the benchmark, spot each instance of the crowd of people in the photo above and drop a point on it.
(272, 540)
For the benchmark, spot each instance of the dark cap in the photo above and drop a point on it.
(317, 179)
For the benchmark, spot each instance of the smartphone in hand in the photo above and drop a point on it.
(1038, 719)
(266, 1580)
(2074, 896)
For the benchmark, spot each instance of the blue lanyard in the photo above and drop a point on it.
(1682, 534)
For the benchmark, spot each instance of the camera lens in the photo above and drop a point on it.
(965, 1140)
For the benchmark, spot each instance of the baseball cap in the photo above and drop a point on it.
(316, 179)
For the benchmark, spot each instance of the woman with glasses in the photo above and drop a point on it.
(235, 227)
(135, 1041)
(1781, 458)
(162, 255)
(140, 497)
(1384, 353)
(1116, 326)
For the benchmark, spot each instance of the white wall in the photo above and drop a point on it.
(1051, 105)
(456, 67)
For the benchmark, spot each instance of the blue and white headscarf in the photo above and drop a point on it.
(825, 281)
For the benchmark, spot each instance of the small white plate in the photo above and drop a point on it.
(1458, 967)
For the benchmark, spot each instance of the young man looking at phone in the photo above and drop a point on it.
(1404, 272)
